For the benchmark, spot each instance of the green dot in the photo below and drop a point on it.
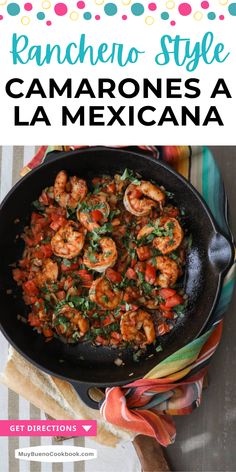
(165, 15)
(13, 9)
(87, 15)
(40, 15)
(137, 9)
(211, 15)
(110, 9)
(232, 9)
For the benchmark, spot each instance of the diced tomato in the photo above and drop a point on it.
(34, 320)
(113, 276)
(68, 268)
(173, 301)
(18, 275)
(101, 340)
(48, 333)
(167, 292)
(131, 274)
(150, 273)
(61, 295)
(86, 278)
(29, 300)
(144, 253)
(116, 335)
(163, 328)
(168, 315)
(108, 320)
(172, 212)
(36, 217)
(30, 288)
(57, 221)
(111, 187)
(96, 215)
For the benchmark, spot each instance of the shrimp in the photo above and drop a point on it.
(49, 273)
(169, 271)
(171, 234)
(102, 293)
(138, 327)
(135, 200)
(77, 193)
(76, 322)
(101, 261)
(94, 212)
(68, 240)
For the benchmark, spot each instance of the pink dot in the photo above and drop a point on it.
(205, 5)
(28, 6)
(48, 23)
(60, 9)
(185, 9)
(152, 6)
(221, 17)
(97, 17)
(172, 23)
(81, 5)
(124, 17)
(1, 17)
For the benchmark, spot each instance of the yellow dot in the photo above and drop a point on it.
(170, 5)
(99, 2)
(223, 2)
(126, 2)
(149, 20)
(46, 5)
(74, 15)
(198, 15)
(25, 20)
(3, 2)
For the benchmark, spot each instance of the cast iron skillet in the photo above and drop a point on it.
(210, 256)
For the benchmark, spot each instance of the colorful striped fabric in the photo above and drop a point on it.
(174, 386)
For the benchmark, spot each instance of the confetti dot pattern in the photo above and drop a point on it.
(47, 12)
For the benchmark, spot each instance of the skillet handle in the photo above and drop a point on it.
(91, 396)
(221, 252)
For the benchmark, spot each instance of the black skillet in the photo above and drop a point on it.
(82, 364)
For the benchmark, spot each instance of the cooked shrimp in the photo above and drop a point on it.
(135, 200)
(94, 212)
(138, 327)
(102, 293)
(48, 273)
(169, 271)
(100, 261)
(69, 197)
(76, 322)
(69, 240)
(171, 234)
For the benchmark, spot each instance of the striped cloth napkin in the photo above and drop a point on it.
(174, 386)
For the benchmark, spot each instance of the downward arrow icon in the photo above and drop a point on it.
(86, 427)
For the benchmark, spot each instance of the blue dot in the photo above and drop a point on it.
(87, 15)
(40, 15)
(232, 9)
(137, 9)
(13, 9)
(165, 15)
(211, 15)
(110, 9)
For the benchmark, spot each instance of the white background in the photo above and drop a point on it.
(133, 32)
